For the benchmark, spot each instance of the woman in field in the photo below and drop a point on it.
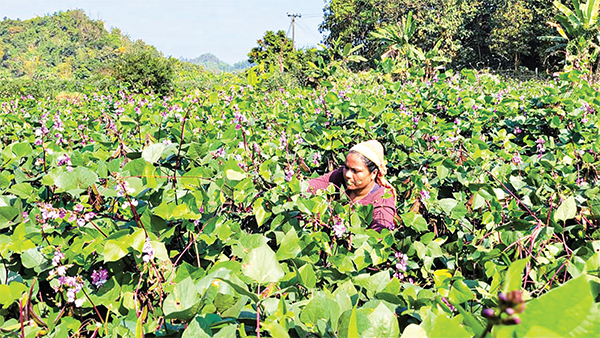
(363, 180)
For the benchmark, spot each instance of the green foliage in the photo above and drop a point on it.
(275, 52)
(472, 34)
(129, 214)
(144, 68)
(578, 35)
(64, 45)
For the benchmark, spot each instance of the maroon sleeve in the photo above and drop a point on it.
(335, 177)
(384, 210)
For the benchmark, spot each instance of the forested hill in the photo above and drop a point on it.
(63, 45)
(213, 63)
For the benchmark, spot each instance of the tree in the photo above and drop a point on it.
(273, 48)
(474, 34)
(512, 31)
(276, 50)
(145, 68)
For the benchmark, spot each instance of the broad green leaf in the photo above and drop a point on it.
(514, 275)
(262, 266)
(383, 323)
(114, 250)
(289, 247)
(153, 152)
(259, 211)
(414, 331)
(194, 330)
(184, 302)
(460, 292)
(445, 327)
(308, 275)
(414, 221)
(567, 210)
(321, 307)
(78, 179)
(568, 310)
(32, 258)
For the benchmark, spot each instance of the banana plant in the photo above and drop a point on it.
(397, 39)
(578, 33)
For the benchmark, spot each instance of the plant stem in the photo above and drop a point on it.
(258, 313)
(488, 329)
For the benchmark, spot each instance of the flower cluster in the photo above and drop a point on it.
(516, 160)
(49, 213)
(316, 159)
(99, 277)
(238, 119)
(540, 146)
(65, 160)
(289, 173)
(339, 229)
(401, 265)
(509, 306)
(123, 188)
(148, 251)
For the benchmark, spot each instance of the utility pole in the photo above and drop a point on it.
(293, 16)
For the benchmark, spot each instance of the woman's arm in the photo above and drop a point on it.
(335, 177)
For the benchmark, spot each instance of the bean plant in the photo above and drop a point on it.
(131, 215)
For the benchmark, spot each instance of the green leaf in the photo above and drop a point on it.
(23, 190)
(235, 175)
(445, 327)
(78, 179)
(568, 310)
(289, 247)
(252, 79)
(153, 152)
(460, 292)
(567, 210)
(414, 221)
(384, 323)
(259, 211)
(262, 266)
(321, 307)
(194, 330)
(184, 302)
(114, 250)
(414, 331)
(514, 275)
(308, 275)
(31, 258)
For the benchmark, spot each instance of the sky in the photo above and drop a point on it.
(189, 28)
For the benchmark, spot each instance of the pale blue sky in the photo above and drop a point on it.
(189, 28)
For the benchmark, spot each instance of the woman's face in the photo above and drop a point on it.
(356, 173)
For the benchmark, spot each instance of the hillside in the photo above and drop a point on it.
(214, 64)
(63, 45)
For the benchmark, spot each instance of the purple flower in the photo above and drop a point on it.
(289, 173)
(517, 159)
(339, 229)
(148, 251)
(58, 256)
(99, 277)
(424, 195)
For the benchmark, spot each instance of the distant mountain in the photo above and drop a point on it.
(212, 63)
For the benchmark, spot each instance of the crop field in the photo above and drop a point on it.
(132, 215)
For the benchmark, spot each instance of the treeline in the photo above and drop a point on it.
(497, 34)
